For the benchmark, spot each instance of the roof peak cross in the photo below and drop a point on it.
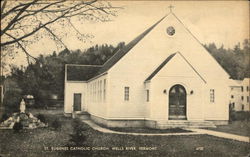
(170, 7)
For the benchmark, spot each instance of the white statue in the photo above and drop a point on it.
(22, 106)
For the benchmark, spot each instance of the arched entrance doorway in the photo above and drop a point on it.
(177, 103)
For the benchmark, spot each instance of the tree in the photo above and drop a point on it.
(235, 61)
(41, 81)
(26, 22)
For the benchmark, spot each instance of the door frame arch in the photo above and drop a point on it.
(176, 106)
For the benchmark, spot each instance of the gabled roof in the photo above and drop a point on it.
(87, 72)
(122, 52)
(97, 71)
(166, 61)
(81, 72)
(160, 66)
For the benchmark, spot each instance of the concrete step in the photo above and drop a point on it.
(82, 115)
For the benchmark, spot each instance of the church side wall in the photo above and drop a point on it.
(219, 109)
(135, 107)
(98, 98)
(70, 89)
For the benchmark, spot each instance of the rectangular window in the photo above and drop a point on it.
(92, 98)
(247, 98)
(232, 96)
(101, 90)
(95, 92)
(247, 88)
(242, 107)
(242, 89)
(242, 98)
(98, 89)
(91, 91)
(104, 89)
(212, 95)
(126, 93)
(147, 95)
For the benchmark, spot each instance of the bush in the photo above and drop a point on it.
(12, 101)
(4, 117)
(17, 127)
(56, 124)
(240, 115)
(42, 118)
(79, 135)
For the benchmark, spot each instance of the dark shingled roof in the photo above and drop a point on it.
(160, 66)
(84, 73)
(81, 72)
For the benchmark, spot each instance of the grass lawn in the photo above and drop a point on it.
(31, 143)
(236, 127)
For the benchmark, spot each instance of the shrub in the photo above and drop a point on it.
(42, 118)
(56, 124)
(4, 117)
(17, 127)
(239, 115)
(12, 100)
(231, 115)
(79, 135)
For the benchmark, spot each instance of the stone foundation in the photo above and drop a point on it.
(167, 124)
(118, 123)
(219, 122)
(153, 123)
(67, 114)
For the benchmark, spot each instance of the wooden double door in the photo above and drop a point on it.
(177, 103)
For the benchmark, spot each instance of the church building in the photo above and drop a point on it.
(163, 78)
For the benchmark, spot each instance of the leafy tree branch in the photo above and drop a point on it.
(22, 21)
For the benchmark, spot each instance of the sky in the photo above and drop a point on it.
(221, 22)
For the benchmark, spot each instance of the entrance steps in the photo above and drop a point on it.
(81, 115)
(184, 124)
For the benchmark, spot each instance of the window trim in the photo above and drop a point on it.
(104, 90)
(126, 93)
(147, 96)
(212, 96)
